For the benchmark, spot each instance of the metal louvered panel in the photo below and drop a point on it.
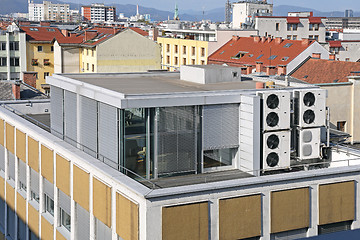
(34, 181)
(88, 127)
(82, 231)
(65, 202)
(11, 170)
(49, 189)
(21, 230)
(102, 231)
(2, 157)
(22, 172)
(10, 223)
(289, 235)
(57, 111)
(108, 135)
(70, 109)
(177, 140)
(221, 126)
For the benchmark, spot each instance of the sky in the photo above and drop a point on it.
(198, 5)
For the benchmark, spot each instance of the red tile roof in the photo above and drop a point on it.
(335, 44)
(325, 71)
(42, 34)
(315, 20)
(139, 31)
(293, 20)
(258, 51)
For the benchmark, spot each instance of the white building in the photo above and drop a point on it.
(48, 11)
(98, 13)
(244, 12)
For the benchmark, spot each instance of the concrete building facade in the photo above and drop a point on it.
(98, 13)
(48, 11)
(244, 12)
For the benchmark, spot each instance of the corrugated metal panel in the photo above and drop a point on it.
(289, 235)
(11, 170)
(221, 126)
(108, 135)
(10, 223)
(57, 111)
(34, 181)
(21, 230)
(49, 189)
(88, 126)
(2, 214)
(22, 172)
(102, 231)
(177, 140)
(65, 202)
(2, 158)
(82, 231)
(70, 109)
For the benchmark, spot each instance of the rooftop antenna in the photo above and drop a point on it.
(227, 11)
(203, 12)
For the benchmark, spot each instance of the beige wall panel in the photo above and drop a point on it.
(10, 196)
(47, 230)
(33, 154)
(33, 220)
(336, 202)
(185, 222)
(240, 217)
(21, 207)
(127, 218)
(2, 188)
(102, 202)
(290, 210)
(63, 174)
(10, 138)
(47, 163)
(59, 236)
(81, 187)
(21, 145)
(2, 132)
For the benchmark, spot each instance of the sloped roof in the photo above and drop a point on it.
(259, 51)
(317, 71)
(26, 93)
(139, 31)
(42, 33)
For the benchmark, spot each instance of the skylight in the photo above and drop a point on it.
(222, 52)
(288, 45)
(284, 58)
(272, 57)
(260, 56)
(34, 29)
(51, 30)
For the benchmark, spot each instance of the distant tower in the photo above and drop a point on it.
(137, 10)
(176, 14)
(228, 11)
(349, 13)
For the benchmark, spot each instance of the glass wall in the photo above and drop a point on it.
(219, 157)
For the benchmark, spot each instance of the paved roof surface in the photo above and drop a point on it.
(316, 71)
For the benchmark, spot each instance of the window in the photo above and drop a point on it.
(3, 46)
(277, 26)
(14, 46)
(40, 48)
(176, 48)
(3, 61)
(167, 59)
(34, 196)
(176, 60)
(92, 53)
(239, 55)
(87, 66)
(316, 37)
(184, 49)
(184, 61)
(49, 205)
(292, 26)
(193, 61)
(285, 59)
(341, 126)
(294, 37)
(22, 186)
(316, 27)
(167, 47)
(288, 37)
(52, 48)
(193, 51)
(347, 59)
(14, 62)
(93, 68)
(203, 52)
(202, 62)
(311, 27)
(46, 74)
(65, 219)
(46, 62)
(87, 53)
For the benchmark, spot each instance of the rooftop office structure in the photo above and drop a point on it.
(193, 155)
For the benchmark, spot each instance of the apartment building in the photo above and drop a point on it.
(12, 53)
(345, 50)
(121, 163)
(295, 26)
(244, 12)
(97, 13)
(48, 11)
(342, 22)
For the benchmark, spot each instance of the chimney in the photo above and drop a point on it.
(249, 69)
(278, 40)
(281, 70)
(270, 70)
(259, 85)
(235, 38)
(259, 67)
(90, 35)
(16, 90)
(269, 39)
(263, 39)
(243, 70)
(44, 23)
(65, 32)
(256, 39)
(80, 28)
(332, 57)
(305, 41)
(30, 78)
(114, 30)
(316, 55)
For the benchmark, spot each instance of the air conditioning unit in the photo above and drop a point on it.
(275, 110)
(309, 141)
(310, 108)
(276, 150)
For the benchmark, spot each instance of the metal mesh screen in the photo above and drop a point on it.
(177, 139)
(88, 126)
(57, 111)
(70, 124)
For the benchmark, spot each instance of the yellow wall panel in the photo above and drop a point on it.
(21, 207)
(47, 230)
(290, 210)
(33, 154)
(63, 174)
(33, 220)
(240, 217)
(21, 145)
(47, 163)
(127, 218)
(81, 187)
(59, 236)
(10, 196)
(2, 188)
(185, 222)
(2, 132)
(336, 202)
(102, 202)
(10, 138)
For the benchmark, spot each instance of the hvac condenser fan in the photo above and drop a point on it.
(272, 101)
(272, 119)
(309, 116)
(309, 99)
(272, 159)
(273, 141)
